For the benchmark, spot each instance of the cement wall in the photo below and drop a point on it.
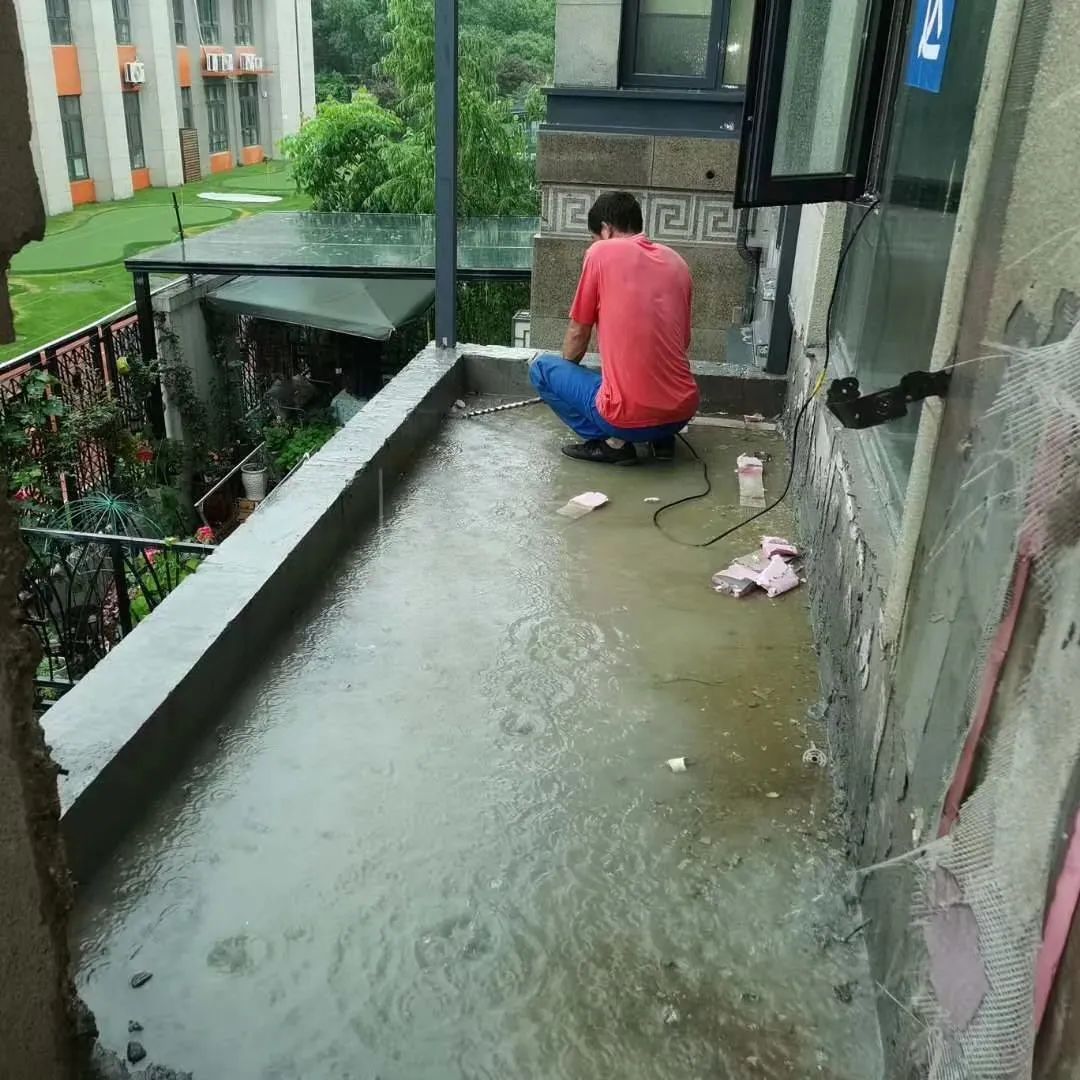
(587, 34)
(898, 717)
(36, 996)
(684, 186)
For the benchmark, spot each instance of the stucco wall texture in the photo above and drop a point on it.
(898, 715)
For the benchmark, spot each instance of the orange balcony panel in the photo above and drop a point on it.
(183, 65)
(252, 155)
(222, 162)
(140, 178)
(82, 192)
(66, 68)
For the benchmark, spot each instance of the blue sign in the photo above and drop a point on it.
(929, 44)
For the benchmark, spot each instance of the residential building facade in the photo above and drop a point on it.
(129, 94)
(647, 97)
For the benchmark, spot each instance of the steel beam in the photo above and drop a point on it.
(446, 153)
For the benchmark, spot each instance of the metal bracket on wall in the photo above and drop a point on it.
(855, 410)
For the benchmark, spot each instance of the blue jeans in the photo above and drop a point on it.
(571, 392)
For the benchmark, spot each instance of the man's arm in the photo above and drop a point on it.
(576, 341)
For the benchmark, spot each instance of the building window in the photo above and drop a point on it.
(248, 91)
(819, 94)
(243, 22)
(74, 142)
(686, 44)
(179, 25)
(59, 21)
(187, 112)
(217, 118)
(122, 21)
(133, 122)
(209, 23)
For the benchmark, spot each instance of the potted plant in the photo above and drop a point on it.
(253, 478)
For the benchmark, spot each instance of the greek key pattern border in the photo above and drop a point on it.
(671, 217)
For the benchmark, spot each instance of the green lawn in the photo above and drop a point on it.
(76, 274)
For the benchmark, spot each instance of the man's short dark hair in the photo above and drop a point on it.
(619, 209)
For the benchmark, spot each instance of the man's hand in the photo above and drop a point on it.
(576, 341)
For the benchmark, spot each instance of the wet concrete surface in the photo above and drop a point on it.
(434, 837)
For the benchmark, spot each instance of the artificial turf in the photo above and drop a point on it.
(76, 274)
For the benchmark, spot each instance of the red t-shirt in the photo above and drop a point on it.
(638, 295)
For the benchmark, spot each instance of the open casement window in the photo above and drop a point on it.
(821, 77)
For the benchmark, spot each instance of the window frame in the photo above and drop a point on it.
(209, 28)
(714, 65)
(121, 10)
(873, 94)
(59, 21)
(187, 108)
(133, 122)
(247, 24)
(68, 120)
(218, 140)
(247, 93)
(179, 22)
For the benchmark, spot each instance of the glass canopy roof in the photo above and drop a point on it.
(347, 245)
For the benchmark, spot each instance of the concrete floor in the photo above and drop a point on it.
(434, 837)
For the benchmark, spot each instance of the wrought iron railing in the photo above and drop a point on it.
(82, 593)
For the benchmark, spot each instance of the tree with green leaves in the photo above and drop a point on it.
(337, 155)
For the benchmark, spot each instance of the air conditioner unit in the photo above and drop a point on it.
(219, 61)
(135, 72)
(250, 62)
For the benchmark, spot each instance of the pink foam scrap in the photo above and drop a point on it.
(591, 499)
(777, 545)
(737, 572)
(778, 578)
(748, 464)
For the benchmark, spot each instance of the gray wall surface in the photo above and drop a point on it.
(898, 716)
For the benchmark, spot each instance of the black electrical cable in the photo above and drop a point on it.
(871, 207)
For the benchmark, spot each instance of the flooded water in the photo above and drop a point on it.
(434, 837)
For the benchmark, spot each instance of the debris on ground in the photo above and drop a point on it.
(651, 499)
(770, 569)
(135, 1052)
(751, 473)
(583, 504)
(815, 755)
(677, 764)
(459, 404)
(140, 978)
(671, 1014)
(133, 1026)
(772, 794)
(844, 992)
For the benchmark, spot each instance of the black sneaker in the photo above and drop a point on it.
(663, 449)
(599, 451)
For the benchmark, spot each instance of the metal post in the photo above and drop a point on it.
(123, 601)
(144, 307)
(446, 145)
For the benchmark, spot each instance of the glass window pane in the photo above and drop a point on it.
(737, 47)
(821, 67)
(888, 304)
(59, 22)
(188, 116)
(179, 27)
(673, 37)
(122, 21)
(133, 122)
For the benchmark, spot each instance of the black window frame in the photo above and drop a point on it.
(714, 60)
(179, 22)
(121, 10)
(187, 108)
(133, 125)
(244, 28)
(209, 14)
(217, 108)
(247, 94)
(58, 13)
(71, 124)
(880, 60)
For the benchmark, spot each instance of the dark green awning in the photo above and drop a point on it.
(371, 308)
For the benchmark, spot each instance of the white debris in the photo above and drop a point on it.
(583, 504)
(459, 404)
(651, 498)
(671, 1014)
(772, 794)
(676, 764)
